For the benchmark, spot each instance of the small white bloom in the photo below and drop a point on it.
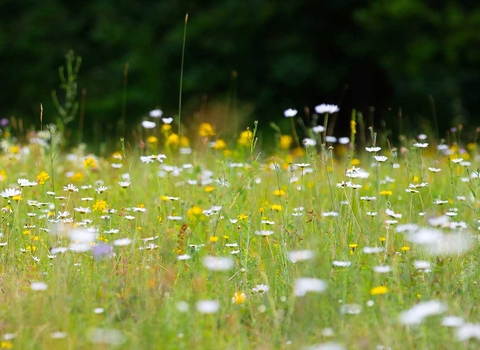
(305, 285)
(82, 210)
(300, 255)
(380, 159)
(382, 269)
(290, 113)
(318, 129)
(326, 108)
(309, 142)
(156, 113)
(373, 149)
(38, 286)
(329, 213)
(214, 263)
(10, 192)
(26, 183)
(330, 139)
(101, 189)
(419, 312)
(260, 288)
(124, 184)
(122, 242)
(147, 159)
(148, 124)
(343, 140)
(468, 331)
(58, 335)
(373, 250)
(452, 321)
(422, 137)
(420, 145)
(264, 233)
(70, 188)
(391, 213)
(207, 306)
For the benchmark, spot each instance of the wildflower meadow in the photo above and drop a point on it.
(198, 241)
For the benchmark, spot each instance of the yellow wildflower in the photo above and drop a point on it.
(242, 217)
(213, 239)
(100, 205)
(355, 161)
(353, 247)
(152, 139)
(219, 145)
(77, 177)
(209, 189)
(285, 142)
(471, 146)
(42, 177)
(276, 207)
(3, 175)
(353, 126)
(379, 290)
(184, 141)
(239, 298)
(279, 193)
(195, 211)
(405, 248)
(6, 345)
(173, 140)
(245, 138)
(166, 127)
(15, 149)
(386, 193)
(298, 152)
(206, 130)
(89, 163)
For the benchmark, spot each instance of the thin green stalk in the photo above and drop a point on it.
(181, 78)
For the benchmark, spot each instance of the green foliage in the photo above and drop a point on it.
(69, 108)
(311, 249)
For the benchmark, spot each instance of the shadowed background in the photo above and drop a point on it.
(245, 60)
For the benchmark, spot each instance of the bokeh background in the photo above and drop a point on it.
(246, 60)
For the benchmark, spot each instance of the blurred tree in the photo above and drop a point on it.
(264, 55)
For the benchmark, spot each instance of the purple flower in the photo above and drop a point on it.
(102, 249)
(3, 122)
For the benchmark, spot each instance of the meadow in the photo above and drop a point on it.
(213, 244)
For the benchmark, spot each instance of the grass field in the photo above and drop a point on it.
(222, 247)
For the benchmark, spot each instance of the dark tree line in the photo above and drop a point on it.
(247, 59)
